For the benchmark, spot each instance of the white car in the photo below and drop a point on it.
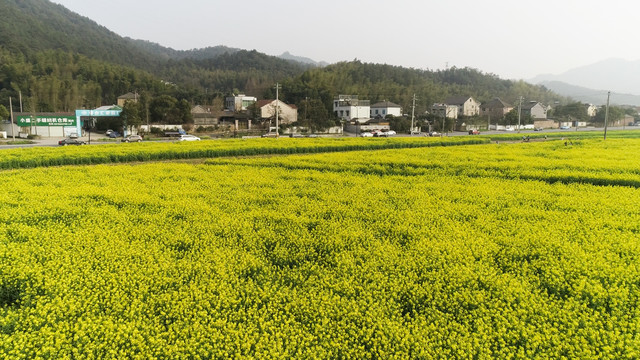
(188, 138)
(366, 134)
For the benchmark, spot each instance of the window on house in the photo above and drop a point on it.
(341, 113)
(376, 112)
(347, 113)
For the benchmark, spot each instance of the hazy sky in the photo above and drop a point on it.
(513, 39)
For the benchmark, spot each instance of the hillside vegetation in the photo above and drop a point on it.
(59, 60)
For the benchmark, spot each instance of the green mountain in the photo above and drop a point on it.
(59, 60)
(32, 26)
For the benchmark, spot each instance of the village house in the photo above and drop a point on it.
(349, 107)
(385, 108)
(495, 109)
(286, 113)
(534, 109)
(467, 106)
(240, 102)
(445, 110)
(127, 97)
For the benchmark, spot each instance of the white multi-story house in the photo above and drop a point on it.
(239, 102)
(286, 113)
(467, 106)
(385, 108)
(349, 107)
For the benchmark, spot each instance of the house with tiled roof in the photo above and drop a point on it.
(495, 109)
(127, 97)
(535, 110)
(287, 113)
(384, 108)
(467, 106)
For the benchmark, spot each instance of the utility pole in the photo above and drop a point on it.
(606, 115)
(277, 103)
(519, 112)
(13, 133)
(413, 111)
(20, 95)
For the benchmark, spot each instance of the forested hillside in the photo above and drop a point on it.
(377, 82)
(59, 60)
(31, 26)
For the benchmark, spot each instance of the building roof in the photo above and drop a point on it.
(530, 105)
(109, 107)
(385, 104)
(457, 100)
(496, 103)
(263, 103)
(128, 96)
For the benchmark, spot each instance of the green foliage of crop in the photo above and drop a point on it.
(123, 153)
(414, 253)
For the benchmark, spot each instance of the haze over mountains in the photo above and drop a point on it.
(590, 83)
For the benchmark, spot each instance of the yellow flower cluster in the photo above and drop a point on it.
(485, 251)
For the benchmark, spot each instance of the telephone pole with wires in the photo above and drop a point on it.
(606, 115)
(277, 106)
(413, 111)
(519, 113)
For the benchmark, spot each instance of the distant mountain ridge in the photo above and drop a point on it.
(305, 60)
(618, 75)
(591, 96)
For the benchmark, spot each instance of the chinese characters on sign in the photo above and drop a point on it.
(46, 121)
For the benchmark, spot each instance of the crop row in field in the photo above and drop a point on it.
(405, 253)
(122, 153)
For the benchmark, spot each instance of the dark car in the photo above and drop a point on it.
(69, 141)
(114, 134)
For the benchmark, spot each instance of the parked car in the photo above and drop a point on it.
(70, 141)
(434, 133)
(366, 134)
(389, 133)
(474, 132)
(313, 135)
(132, 138)
(114, 134)
(108, 132)
(296, 135)
(537, 129)
(269, 135)
(565, 127)
(188, 138)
